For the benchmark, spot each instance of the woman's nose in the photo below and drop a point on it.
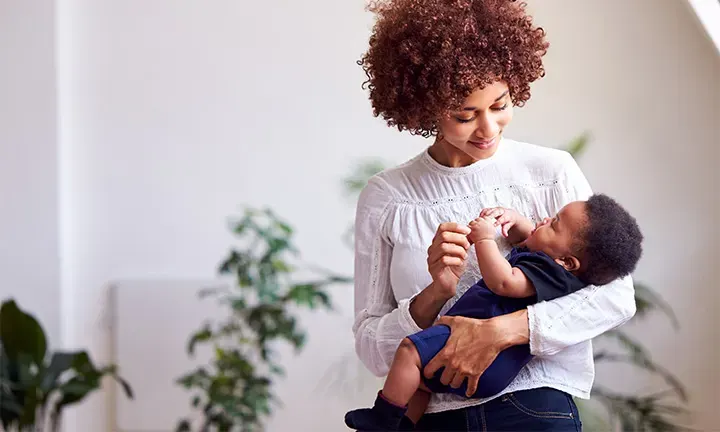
(487, 129)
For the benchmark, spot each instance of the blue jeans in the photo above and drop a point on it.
(542, 409)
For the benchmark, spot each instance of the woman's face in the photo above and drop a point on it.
(474, 131)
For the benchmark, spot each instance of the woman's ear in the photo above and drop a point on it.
(569, 263)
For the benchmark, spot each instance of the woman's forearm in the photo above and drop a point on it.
(426, 306)
(514, 327)
(580, 316)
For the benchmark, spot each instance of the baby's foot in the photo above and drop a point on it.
(383, 416)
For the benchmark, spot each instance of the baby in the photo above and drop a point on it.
(589, 242)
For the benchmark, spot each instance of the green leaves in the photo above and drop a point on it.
(21, 333)
(28, 382)
(234, 391)
(635, 412)
(308, 295)
(578, 144)
(651, 413)
(648, 301)
(356, 181)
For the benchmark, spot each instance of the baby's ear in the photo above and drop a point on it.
(569, 263)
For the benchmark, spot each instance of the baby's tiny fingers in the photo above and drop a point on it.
(504, 219)
(506, 229)
(497, 211)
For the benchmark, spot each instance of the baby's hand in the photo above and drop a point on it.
(505, 217)
(482, 228)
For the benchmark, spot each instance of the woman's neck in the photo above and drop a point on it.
(448, 155)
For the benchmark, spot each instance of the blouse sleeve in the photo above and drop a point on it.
(589, 312)
(380, 321)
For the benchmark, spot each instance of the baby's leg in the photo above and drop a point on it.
(392, 401)
(403, 378)
(418, 404)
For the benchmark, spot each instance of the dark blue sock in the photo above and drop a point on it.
(383, 416)
(406, 424)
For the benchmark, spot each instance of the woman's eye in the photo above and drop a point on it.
(463, 120)
(500, 108)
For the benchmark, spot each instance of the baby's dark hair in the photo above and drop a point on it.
(612, 241)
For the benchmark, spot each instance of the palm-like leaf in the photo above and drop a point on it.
(578, 144)
(651, 413)
(355, 182)
(648, 365)
(648, 301)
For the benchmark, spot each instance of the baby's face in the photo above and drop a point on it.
(555, 236)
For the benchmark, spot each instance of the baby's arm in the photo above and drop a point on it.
(499, 276)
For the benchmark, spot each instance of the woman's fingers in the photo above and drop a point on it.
(458, 238)
(472, 385)
(448, 375)
(470, 349)
(457, 380)
(445, 261)
(435, 363)
(452, 227)
(435, 253)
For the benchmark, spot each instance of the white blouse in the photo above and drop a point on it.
(397, 216)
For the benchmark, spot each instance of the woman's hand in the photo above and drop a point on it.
(446, 257)
(474, 344)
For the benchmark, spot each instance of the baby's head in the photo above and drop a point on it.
(597, 239)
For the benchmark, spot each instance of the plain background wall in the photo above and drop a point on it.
(29, 262)
(173, 114)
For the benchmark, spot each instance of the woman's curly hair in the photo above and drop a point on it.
(427, 56)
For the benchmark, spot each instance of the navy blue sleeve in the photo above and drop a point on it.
(549, 278)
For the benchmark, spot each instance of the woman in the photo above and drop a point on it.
(453, 70)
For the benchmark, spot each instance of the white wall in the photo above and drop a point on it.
(178, 113)
(173, 114)
(29, 262)
(644, 78)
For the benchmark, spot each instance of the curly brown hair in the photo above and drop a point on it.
(427, 56)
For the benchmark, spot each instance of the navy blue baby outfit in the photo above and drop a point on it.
(550, 281)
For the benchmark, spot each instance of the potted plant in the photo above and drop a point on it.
(234, 391)
(36, 385)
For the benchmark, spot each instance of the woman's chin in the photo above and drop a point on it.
(481, 151)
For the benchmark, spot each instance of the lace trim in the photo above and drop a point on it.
(455, 199)
(376, 253)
